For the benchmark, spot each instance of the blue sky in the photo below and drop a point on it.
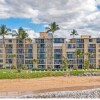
(14, 23)
(84, 16)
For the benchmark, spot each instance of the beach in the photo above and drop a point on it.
(47, 84)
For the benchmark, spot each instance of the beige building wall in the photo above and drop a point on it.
(43, 35)
(97, 56)
(35, 52)
(86, 42)
(14, 52)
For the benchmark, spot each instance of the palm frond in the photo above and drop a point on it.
(52, 27)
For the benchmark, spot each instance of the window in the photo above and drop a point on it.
(1, 60)
(29, 50)
(72, 62)
(58, 40)
(41, 50)
(80, 61)
(20, 45)
(80, 45)
(40, 41)
(57, 61)
(9, 50)
(41, 66)
(57, 50)
(79, 40)
(69, 56)
(19, 41)
(20, 50)
(20, 56)
(9, 46)
(91, 46)
(98, 40)
(28, 45)
(90, 40)
(41, 61)
(41, 56)
(29, 66)
(29, 56)
(71, 45)
(92, 61)
(57, 56)
(10, 41)
(91, 50)
(41, 45)
(0, 51)
(57, 66)
(9, 61)
(28, 61)
(1, 66)
(20, 61)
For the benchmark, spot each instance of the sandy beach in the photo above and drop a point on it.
(50, 84)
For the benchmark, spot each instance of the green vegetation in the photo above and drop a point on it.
(27, 74)
(78, 54)
(3, 32)
(86, 64)
(53, 27)
(79, 72)
(74, 33)
(21, 35)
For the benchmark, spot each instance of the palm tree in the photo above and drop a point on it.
(3, 32)
(53, 27)
(65, 64)
(78, 54)
(21, 35)
(74, 33)
(35, 62)
(87, 62)
(87, 54)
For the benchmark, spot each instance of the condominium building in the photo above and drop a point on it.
(49, 52)
(23, 52)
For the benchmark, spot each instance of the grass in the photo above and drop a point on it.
(77, 72)
(14, 74)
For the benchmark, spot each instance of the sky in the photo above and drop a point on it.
(35, 15)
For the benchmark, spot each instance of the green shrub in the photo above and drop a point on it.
(19, 70)
(23, 66)
(13, 67)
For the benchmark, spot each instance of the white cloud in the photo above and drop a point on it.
(98, 2)
(82, 15)
(31, 33)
